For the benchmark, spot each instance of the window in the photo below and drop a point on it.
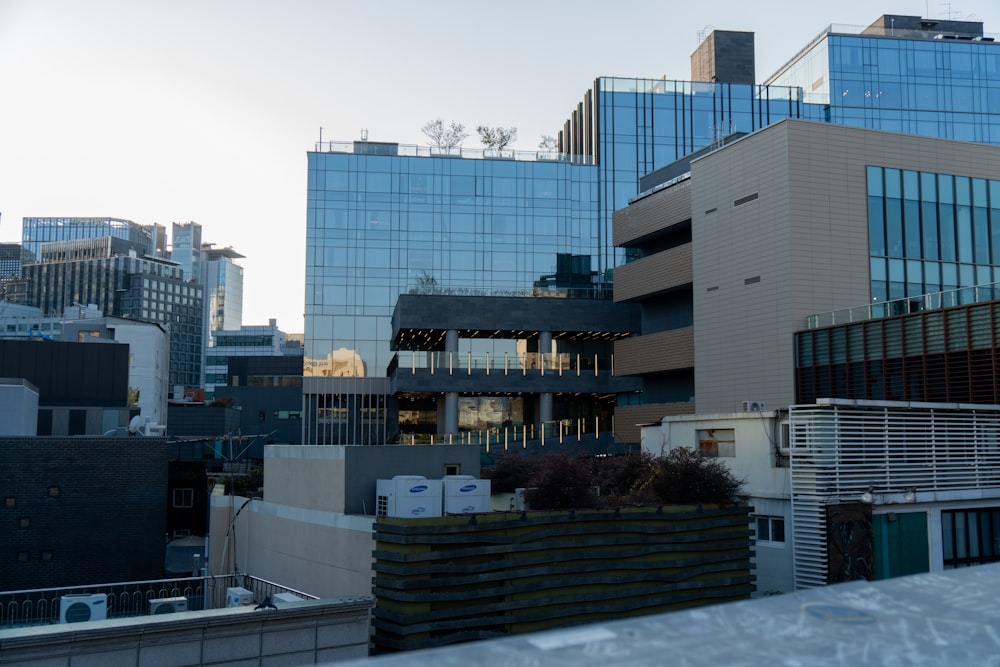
(970, 537)
(24, 522)
(452, 469)
(770, 529)
(181, 532)
(53, 492)
(10, 501)
(22, 556)
(717, 442)
(183, 497)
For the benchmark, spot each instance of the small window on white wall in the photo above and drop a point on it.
(183, 497)
(770, 529)
(717, 442)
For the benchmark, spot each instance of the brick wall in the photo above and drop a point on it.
(81, 510)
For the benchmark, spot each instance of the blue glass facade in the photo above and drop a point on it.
(632, 127)
(930, 87)
(35, 231)
(931, 232)
(382, 225)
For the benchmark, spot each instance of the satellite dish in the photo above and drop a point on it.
(135, 425)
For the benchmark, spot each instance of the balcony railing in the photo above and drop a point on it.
(41, 606)
(530, 362)
(515, 436)
(409, 150)
(962, 296)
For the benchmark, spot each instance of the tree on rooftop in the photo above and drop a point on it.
(496, 138)
(442, 137)
(548, 143)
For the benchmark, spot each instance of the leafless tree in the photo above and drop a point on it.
(548, 143)
(496, 138)
(444, 138)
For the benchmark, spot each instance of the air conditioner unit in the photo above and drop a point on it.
(285, 598)
(237, 596)
(80, 608)
(167, 605)
(784, 439)
(753, 406)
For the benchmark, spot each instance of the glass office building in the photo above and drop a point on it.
(904, 74)
(931, 232)
(384, 219)
(36, 231)
(381, 225)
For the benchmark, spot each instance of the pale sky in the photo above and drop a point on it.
(204, 110)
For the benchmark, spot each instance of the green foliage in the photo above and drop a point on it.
(245, 485)
(561, 482)
(685, 476)
(619, 478)
(510, 472)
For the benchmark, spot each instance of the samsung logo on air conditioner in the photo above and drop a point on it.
(468, 487)
(419, 489)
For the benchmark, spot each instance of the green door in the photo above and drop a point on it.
(901, 545)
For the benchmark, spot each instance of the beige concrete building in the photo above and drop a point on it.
(735, 255)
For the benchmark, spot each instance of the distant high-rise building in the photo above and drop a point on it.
(185, 248)
(36, 231)
(111, 274)
(223, 281)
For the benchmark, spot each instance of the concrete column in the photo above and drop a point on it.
(545, 343)
(451, 412)
(545, 399)
(449, 358)
(545, 408)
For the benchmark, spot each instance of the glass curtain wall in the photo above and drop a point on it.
(379, 226)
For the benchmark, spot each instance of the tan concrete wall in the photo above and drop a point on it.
(322, 553)
(652, 214)
(800, 248)
(662, 351)
(660, 272)
(628, 417)
(307, 477)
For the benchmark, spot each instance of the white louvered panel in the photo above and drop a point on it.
(840, 450)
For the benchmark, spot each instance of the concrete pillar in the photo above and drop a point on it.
(545, 399)
(545, 408)
(451, 412)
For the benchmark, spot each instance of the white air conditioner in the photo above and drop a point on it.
(167, 605)
(80, 608)
(753, 406)
(784, 439)
(285, 598)
(237, 596)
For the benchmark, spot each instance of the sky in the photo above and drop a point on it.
(204, 110)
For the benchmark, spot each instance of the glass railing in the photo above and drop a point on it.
(410, 150)
(524, 363)
(962, 296)
(513, 436)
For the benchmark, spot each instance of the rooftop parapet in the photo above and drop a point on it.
(409, 150)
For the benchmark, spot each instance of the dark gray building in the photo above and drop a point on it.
(113, 274)
(81, 510)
